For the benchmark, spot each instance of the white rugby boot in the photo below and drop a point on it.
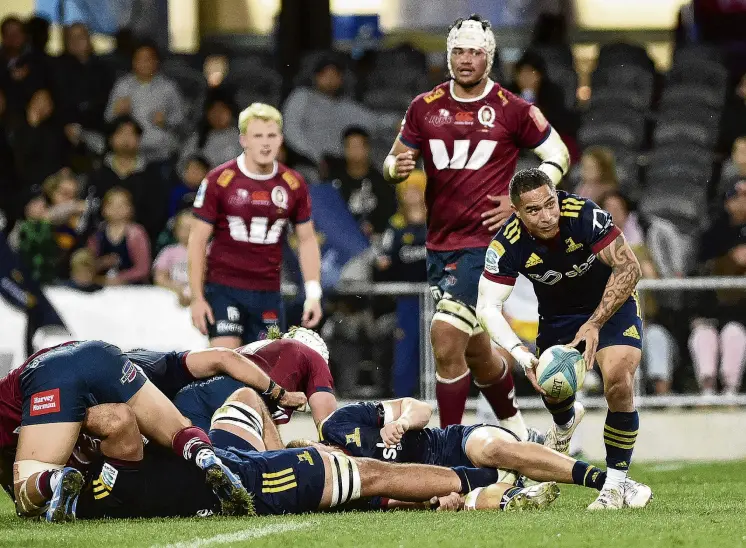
(636, 494)
(558, 438)
(608, 499)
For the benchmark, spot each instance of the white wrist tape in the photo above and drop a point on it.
(389, 166)
(313, 290)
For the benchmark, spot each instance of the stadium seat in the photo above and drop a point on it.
(673, 132)
(687, 174)
(556, 56)
(633, 79)
(403, 57)
(245, 63)
(676, 154)
(388, 98)
(698, 71)
(684, 204)
(608, 97)
(622, 54)
(698, 53)
(617, 128)
(192, 86)
(692, 95)
(567, 79)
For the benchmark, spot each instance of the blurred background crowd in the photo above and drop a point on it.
(101, 155)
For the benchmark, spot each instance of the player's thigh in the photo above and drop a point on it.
(620, 344)
(618, 363)
(51, 443)
(262, 310)
(157, 417)
(227, 310)
(485, 445)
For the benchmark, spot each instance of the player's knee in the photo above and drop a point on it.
(459, 317)
(619, 389)
(247, 396)
(110, 420)
(500, 453)
(449, 346)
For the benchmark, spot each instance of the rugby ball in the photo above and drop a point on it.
(561, 371)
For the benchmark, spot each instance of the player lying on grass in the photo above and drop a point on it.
(396, 430)
(297, 360)
(131, 483)
(584, 275)
(46, 399)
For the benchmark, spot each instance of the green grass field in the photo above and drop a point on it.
(702, 505)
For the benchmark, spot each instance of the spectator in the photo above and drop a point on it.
(733, 121)
(9, 188)
(597, 173)
(183, 193)
(125, 167)
(83, 271)
(217, 136)
(33, 238)
(170, 267)
(37, 33)
(403, 258)
(39, 144)
(20, 72)
(62, 193)
(370, 199)
(83, 83)
(316, 118)
(153, 100)
(121, 246)
(719, 331)
(531, 82)
(660, 349)
(734, 169)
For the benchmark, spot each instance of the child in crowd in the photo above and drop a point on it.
(170, 267)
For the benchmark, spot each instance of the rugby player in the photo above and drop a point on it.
(45, 401)
(396, 431)
(245, 205)
(298, 361)
(282, 482)
(469, 132)
(584, 275)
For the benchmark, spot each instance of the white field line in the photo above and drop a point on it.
(238, 536)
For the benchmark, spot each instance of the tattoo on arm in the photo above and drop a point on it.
(625, 273)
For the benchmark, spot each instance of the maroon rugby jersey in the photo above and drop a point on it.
(250, 213)
(470, 149)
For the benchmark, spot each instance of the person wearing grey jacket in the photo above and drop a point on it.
(153, 100)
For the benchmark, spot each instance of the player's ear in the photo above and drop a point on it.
(243, 140)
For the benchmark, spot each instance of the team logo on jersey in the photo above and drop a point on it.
(533, 260)
(280, 197)
(199, 199)
(305, 456)
(129, 373)
(43, 403)
(260, 197)
(464, 118)
(486, 116)
(440, 118)
(491, 261)
(632, 332)
(241, 197)
(502, 97)
(572, 246)
(434, 96)
(353, 437)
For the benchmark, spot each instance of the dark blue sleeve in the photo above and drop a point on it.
(592, 226)
(356, 428)
(166, 370)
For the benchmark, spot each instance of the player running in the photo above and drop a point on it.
(469, 132)
(584, 275)
(288, 481)
(46, 399)
(396, 431)
(245, 205)
(298, 362)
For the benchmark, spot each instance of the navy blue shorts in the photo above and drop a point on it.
(61, 384)
(456, 273)
(623, 328)
(243, 313)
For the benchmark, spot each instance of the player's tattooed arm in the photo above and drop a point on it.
(625, 273)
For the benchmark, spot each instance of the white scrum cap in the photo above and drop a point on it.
(310, 338)
(472, 34)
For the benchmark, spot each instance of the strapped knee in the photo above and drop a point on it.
(241, 415)
(346, 482)
(461, 316)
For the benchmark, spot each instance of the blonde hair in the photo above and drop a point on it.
(53, 182)
(82, 258)
(604, 157)
(258, 111)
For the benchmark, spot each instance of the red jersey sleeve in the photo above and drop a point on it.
(302, 210)
(206, 201)
(410, 127)
(319, 378)
(529, 125)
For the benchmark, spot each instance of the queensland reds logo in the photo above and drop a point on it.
(486, 116)
(280, 197)
(441, 118)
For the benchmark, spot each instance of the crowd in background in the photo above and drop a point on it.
(102, 155)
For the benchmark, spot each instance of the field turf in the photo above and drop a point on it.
(698, 505)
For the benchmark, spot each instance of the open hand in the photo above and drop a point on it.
(495, 217)
(588, 332)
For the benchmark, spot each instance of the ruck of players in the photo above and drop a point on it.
(89, 430)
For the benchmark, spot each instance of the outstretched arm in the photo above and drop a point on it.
(402, 415)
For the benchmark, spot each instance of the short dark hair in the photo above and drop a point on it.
(199, 159)
(120, 121)
(356, 130)
(11, 20)
(328, 59)
(527, 180)
(473, 17)
(149, 44)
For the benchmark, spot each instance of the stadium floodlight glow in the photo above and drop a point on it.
(471, 34)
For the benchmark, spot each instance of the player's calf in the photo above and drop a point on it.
(452, 373)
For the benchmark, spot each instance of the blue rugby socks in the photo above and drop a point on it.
(620, 434)
(563, 412)
(587, 475)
